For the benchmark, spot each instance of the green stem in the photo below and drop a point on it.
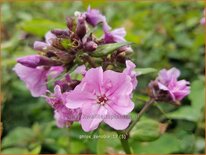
(146, 106)
(124, 142)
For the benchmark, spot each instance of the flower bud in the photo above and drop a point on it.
(81, 27)
(158, 94)
(40, 46)
(70, 23)
(90, 46)
(35, 60)
(60, 33)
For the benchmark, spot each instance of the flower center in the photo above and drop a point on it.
(102, 99)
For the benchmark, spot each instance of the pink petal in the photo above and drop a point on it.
(49, 37)
(92, 115)
(38, 45)
(75, 99)
(115, 120)
(81, 70)
(121, 108)
(55, 71)
(34, 78)
(92, 81)
(117, 83)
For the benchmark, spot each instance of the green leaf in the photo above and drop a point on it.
(146, 130)
(19, 136)
(185, 113)
(166, 144)
(101, 143)
(40, 26)
(142, 71)
(15, 150)
(197, 95)
(106, 49)
(36, 150)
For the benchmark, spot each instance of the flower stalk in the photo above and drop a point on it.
(146, 106)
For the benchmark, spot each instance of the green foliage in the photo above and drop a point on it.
(108, 49)
(167, 143)
(146, 130)
(166, 34)
(143, 71)
(40, 27)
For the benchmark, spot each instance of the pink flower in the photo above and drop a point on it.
(81, 70)
(167, 81)
(39, 45)
(103, 97)
(35, 78)
(64, 116)
(129, 70)
(94, 17)
(115, 36)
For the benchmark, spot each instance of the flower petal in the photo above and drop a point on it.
(76, 99)
(34, 78)
(115, 120)
(92, 115)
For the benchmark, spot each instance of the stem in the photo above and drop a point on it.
(124, 142)
(146, 106)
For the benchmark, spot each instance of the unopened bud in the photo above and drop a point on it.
(61, 33)
(34, 61)
(159, 94)
(70, 23)
(81, 27)
(40, 46)
(90, 46)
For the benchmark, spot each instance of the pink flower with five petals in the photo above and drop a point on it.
(103, 97)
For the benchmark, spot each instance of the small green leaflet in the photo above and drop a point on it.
(106, 49)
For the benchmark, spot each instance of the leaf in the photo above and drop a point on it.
(15, 150)
(197, 95)
(106, 49)
(166, 144)
(19, 136)
(36, 150)
(40, 26)
(101, 143)
(142, 71)
(185, 113)
(146, 130)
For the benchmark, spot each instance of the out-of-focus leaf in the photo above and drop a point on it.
(185, 113)
(142, 71)
(39, 27)
(106, 49)
(15, 150)
(35, 150)
(166, 144)
(146, 130)
(101, 144)
(197, 95)
(19, 136)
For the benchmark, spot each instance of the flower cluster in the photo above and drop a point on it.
(167, 88)
(90, 87)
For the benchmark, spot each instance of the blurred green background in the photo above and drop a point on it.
(166, 34)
